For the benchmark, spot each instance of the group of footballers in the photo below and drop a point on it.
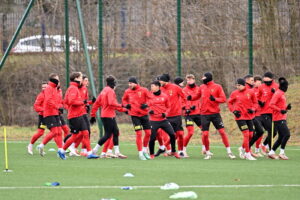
(258, 104)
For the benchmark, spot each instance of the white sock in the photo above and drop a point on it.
(162, 147)
(248, 154)
(257, 150)
(103, 153)
(281, 151)
(109, 151)
(30, 145)
(145, 149)
(96, 148)
(271, 152)
(168, 151)
(61, 150)
(116, 148)
(267, 146)
(141, 153)
(90, 153)
(41, 145)
(184, 149)
(208, 152)
(83, 150)
(228, 149)
(203, 148)
(72, 145)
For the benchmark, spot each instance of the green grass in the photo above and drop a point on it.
(35, 171)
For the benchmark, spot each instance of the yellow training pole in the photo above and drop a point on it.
(5, 152)
(272, 135)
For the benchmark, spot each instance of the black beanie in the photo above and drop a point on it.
(111, 81)
(157, 83)
(165, 78)
(178, 80)
(269, 75)
(208, 76)
(241, 81)
(132, 80)
(283, 84)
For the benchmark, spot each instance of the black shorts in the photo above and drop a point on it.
(52, 121)
(77, 124)
(140, 123)
(41, 124)
(176, 123)
(62, 120)
(245, 125)
(87, 121)
(191, 119)
(216, 119)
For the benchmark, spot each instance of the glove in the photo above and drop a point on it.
(193, 108)
(144, 106)
(183, 108)
(61, 111)
(85, 101)
(87, 108)
(126, 112)
(189, 98)
(93, 120)
(250, 111)
(212, 98)
(128, 106)
(187, 112)
(273, 90)
(163, 115)
(237, 113)
(283, 111)
(261, 104)
(151, 112)
(289, 106)
(93, 99)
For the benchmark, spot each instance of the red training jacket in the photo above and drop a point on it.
(38, 104)
(278, 103)
(51, 100)
(107, 100)
(176, 97)
(258, 110)
(136, 98)
(74, 101)
(209, 107)
(159, 104)
(265, 95)
(189, 91)
(242, 101)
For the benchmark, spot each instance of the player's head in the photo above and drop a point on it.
(257, 81)
(268, 78)
(111, 81)
(132, 82)
(155, 86)
(76, 77)
(283, 84)
(249, 79)
(240, 84)
(179, 81)
(207, 77)
(85, 80)
(190, 79)
(54, 78)
(164, 79)
(44, 85)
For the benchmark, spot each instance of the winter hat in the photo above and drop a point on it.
(133, 80)
(111, 81)
(241, 81)
(165, 78)
(269, 75)
(283, 84)
(178, 80)
(209, 77)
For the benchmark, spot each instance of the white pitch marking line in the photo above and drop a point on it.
(146, 186)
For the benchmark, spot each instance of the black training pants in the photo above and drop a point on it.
(110, 128)
(283, 132)
(258, 130)
(267, 124)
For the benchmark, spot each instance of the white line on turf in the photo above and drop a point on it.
(145, 187)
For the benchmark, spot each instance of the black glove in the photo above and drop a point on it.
(183, 108)
(88, 108)
(212, 98)
(144, 106)
(126, 112)
(61, 111)
(283, 111)
(187, 112)
(163, 115)
(261, 104)
(128, 106)
(85, 101)
(250, 111)
(193, 108)
(289, 106)
(273, 90)
(237, 113)
(189, 98)
(151, 112)
(93, 120)
(94, 99)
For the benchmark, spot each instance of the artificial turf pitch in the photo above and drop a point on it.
(219, 178)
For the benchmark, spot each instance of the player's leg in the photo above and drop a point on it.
(166, 126)
(108, 132)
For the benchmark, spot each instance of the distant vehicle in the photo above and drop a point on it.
(53, 43)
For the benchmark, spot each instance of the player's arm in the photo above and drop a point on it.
(220, 98)
(38, 104)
